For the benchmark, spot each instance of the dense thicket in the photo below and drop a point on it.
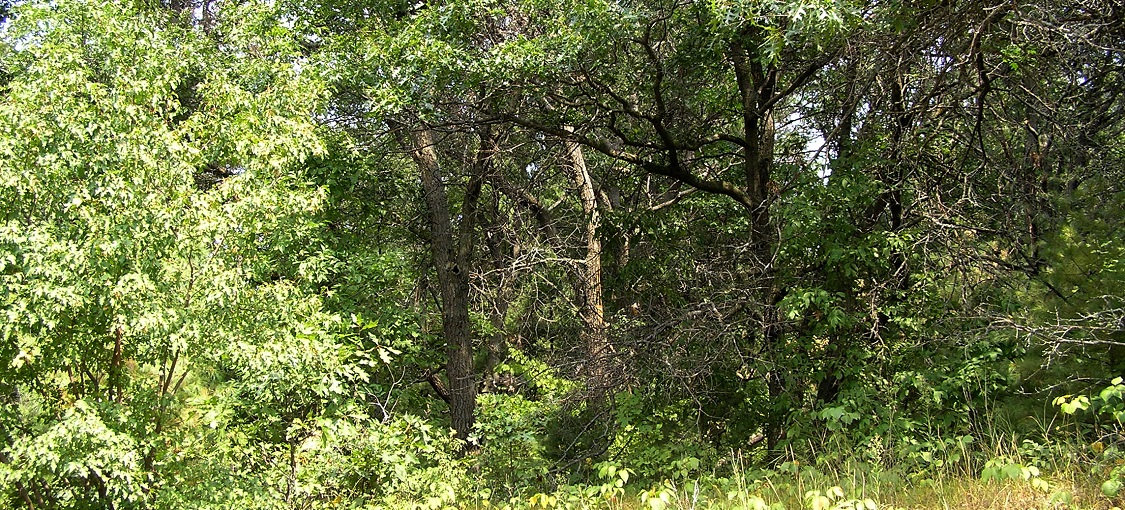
(385, 253)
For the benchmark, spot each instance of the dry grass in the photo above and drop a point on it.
(966, 494)
(954, 493)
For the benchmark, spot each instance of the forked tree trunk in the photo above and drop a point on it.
(451, 261)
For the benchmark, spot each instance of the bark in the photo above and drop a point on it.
(291, 481)
(588, 275)
(756, 84)
(451, 261)
(114, 384)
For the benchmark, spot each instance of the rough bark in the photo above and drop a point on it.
(756, 85)
(588, 275)
(450, 260)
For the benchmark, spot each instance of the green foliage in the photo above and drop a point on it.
(511, 429)
(1104, 424)
(1002, 469)
(131, 282)
(833, 498)
(1111, 400)
(401, 462)
(82, 458)
(1108, 403)
(652, 441)
(216, 281)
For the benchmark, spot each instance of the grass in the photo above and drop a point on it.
(1065, 481)
(943, 493)
(1056, 464)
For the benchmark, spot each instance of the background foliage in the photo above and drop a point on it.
(387, 254)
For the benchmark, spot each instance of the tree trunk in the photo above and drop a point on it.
(588, 276)
(756, 85)
(450, 262)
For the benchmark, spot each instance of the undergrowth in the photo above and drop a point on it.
(1012, 479)
(1073, 459)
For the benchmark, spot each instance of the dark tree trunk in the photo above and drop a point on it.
(452, 261)
(756, 84)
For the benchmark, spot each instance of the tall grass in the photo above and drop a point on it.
(1050, 471)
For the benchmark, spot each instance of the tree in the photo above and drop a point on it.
(126, 281)
(692, 93)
